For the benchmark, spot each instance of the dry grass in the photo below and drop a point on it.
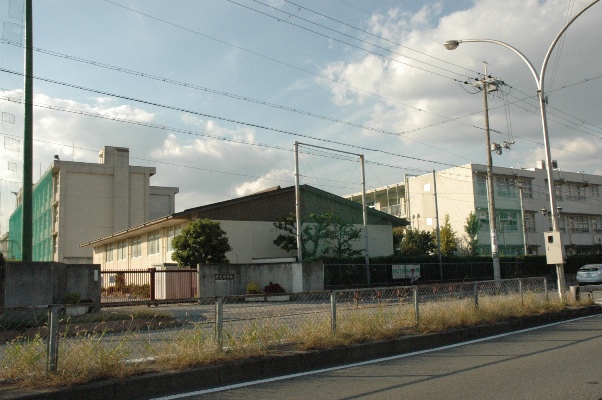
(90, 355)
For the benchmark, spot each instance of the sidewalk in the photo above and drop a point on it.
(280, 362)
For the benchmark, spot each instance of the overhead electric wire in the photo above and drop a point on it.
(343, 34)
(289, 65)
(251, 100)
(376, 36)
(210, 136)
(304, 70)
(253, 125)
(347, 43)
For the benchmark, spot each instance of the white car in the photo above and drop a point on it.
(590, 274)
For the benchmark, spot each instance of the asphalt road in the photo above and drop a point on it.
(562, 361)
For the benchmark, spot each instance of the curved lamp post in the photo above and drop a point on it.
(539, 80)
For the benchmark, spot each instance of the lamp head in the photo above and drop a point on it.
(452, 44)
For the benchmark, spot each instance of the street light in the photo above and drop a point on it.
(539, 80)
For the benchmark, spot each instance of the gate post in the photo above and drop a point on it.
(152, 282)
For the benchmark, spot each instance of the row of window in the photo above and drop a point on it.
(509, 187)
(153, 244)
(510, 221)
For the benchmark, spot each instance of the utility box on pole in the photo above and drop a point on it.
(554, 250)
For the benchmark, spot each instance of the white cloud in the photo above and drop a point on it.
(271, 179)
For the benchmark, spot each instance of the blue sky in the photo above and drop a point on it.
(368, 77)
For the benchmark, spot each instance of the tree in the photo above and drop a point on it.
(398, 234)
(449, 242)
(202, 242)
(342, 234)
(322, 234)
(287, 240)
(316, 233)
(417, 242)
(472, 230)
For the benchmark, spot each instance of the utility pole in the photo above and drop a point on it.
(27, 221)
(487, 85)
(522, 214)
(438, 225)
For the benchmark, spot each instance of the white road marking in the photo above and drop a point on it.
(359, 364)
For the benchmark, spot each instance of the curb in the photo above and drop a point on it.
(278, 363)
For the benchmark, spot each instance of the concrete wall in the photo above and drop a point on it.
(291, 276)
(43, 283)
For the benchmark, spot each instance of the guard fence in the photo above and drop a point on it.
(57, 340)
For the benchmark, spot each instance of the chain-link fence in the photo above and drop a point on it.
(123, 337)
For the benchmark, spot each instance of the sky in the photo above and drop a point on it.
(214, 93)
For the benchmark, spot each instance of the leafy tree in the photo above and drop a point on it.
(398, 234)
(472, 230)
(202, 242)
(287, 240)
(449, 242)
(322, 234)
(342, 235)
(314, 233)
(417, 242)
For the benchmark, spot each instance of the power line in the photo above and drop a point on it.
(347, 43)
(377, 36)
(253, 125)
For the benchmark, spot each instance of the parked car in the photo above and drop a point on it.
(590, 273)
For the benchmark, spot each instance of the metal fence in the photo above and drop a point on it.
(56, 339)
(354, 275)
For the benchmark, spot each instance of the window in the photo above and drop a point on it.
(153, 243)
(136, 246)
(595, 191)
(561, 223)
(109, 252)
(172, 232)
(527, 188)
(505, 187)
(481, 185)
(575, 192)
(483, 216)
(507, 220)
(122, 250)
(530, 221)
(597, 224)
(558, 190)
(579, 224)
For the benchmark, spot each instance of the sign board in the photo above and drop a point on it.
(224, 277)
(406, 271)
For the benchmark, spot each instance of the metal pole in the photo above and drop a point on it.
(438, 229)
(219, 321)
(53, 338)
(476, 294)
(365, 213)
(522, 213)
(198, 280)
(298, 206)
(27, 202)
(490, 192)
(416, 308)
(333, 311)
